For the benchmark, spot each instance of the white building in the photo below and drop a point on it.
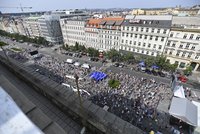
(183, 46)
(73, 31)
(92, 33)
(50, 28)
(110, 33)
(145, 35)
(33, 26)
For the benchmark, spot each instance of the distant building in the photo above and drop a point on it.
(138, 12)
(50, 28)
(183, 45)
(33, 26)
(110, 33)
(146, 35)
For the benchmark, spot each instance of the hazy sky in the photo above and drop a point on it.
(44, 5)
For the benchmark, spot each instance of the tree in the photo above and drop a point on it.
(160, 61)
(114, 55)
(149, 61)
(92, 52)
(188, 70)
(2, 44)
(113, 83)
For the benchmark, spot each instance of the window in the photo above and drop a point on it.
(132, 28)
(185, 36)
(122, 41)
(122, 34)
(144, 44)
(170, 53)
(162, 39)
(139, 43)
(158, 31)
(160, 46)
(189, 55)
(147, 52)
(171, 34)
(191, 36)
(193, 47)
(187, 45)
(181, 46)
(126, 41)
(130, 42)
(152, 30)
(197, 57)
(151, 37)
(126, 34)
(173, 45)
(140, 36)
(165, 31)
(145, 37)
(127, 28)
(152, 53)
(142, 29)
(183, 55)
(166, 51)
(136, 28)
(177, 54)
(176, 62)
(142, 51)
(149, 45)
(147, 29)
(182, 65)
(154, 46)
(131, 35)
(156, 38)
(198, 37)
(168, 43)
(135, 35)
(134, 42)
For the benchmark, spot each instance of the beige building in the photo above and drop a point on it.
(183, 46)
(138, 12)
(32, 26)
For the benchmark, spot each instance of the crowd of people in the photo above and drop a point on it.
(135, 100)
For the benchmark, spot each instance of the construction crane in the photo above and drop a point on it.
(22, 8)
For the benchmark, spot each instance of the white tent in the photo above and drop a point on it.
(179, 92)
(86, 66)
(184, 110)
(70, 61)
(197, 129)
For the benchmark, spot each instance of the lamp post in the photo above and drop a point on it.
(81, 105)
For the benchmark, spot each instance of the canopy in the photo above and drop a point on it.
(86, 66)
(154, 67)
(184, 110)
(69, 61)
(98, 75)
(142, 63)
(179, 92)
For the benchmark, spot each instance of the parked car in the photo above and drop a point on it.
(154, 72)
(148, 71)
(116, 64)
(161, 74)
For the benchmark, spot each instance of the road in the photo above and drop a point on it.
(43, 103)
(50, 51)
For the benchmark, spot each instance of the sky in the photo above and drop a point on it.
(47, 5)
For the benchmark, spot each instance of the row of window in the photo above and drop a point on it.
(185, 36)
(182, 46)
(75, 28)
(74, 23)
(109, 37)
(137, 50)
(144, 29)
(181, 54)
(115, 43)
(141, 36)
(109, 32)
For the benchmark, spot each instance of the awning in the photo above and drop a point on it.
(184, 110)
(179, 92)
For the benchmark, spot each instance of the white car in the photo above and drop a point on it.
(77, 64)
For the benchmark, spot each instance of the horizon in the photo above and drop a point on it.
(37, 6)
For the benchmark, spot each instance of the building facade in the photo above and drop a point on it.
(33, 26)
(145, 35)
(50, 28)
(183, 46)
(110, 33)
(73, 31)
(92, 33)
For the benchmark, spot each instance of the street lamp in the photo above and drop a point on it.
(81, 105)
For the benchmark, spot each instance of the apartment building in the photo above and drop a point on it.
(110, 33)
(73, 30)
(145, 35)
(50, 28)
(33, 26)
(183, 46)
(92, 33)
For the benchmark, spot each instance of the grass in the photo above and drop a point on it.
(113, 83)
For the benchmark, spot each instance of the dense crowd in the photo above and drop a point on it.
(135, 100)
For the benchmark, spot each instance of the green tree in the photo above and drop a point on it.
(149, 61)
(160, 61)
(92, 52)
(188, 70)
(2, 44)
(114, 55)
(113, 83)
